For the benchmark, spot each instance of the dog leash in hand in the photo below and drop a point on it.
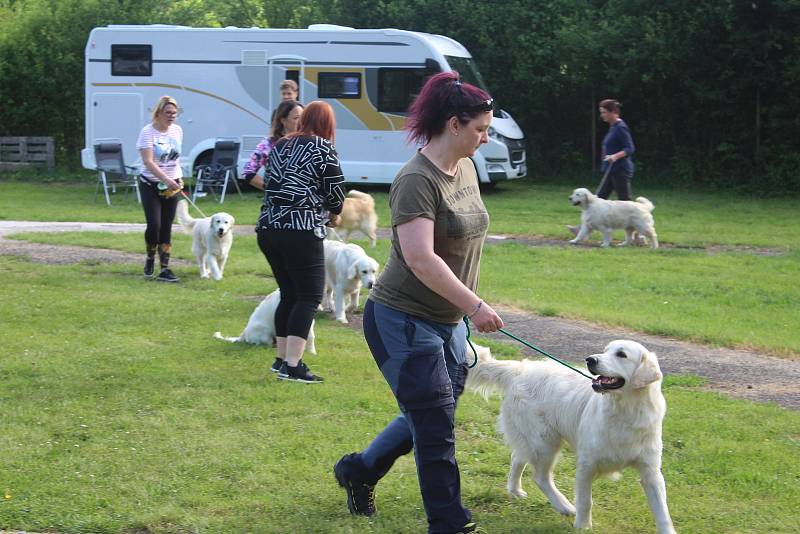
(537, 349)
(608, 170)
(192, 203)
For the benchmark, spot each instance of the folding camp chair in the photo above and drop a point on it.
(221, 171)
(112, 171)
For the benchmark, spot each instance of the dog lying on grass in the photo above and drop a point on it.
(611, 423)
(260, 329)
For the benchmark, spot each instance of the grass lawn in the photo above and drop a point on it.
(733, 299)
(121, 414)
(683, 219)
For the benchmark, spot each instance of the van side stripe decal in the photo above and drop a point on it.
(205, 61)
(181, 87)
(279, 62)
(357, 43)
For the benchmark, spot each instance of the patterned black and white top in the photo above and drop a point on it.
(304, 185)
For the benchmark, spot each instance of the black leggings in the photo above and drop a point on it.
(297, 259)
(616, 180)
(159, 213)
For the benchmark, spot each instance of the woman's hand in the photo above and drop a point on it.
(486, 319)
(172, 185)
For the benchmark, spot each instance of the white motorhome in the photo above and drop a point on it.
(226, 83)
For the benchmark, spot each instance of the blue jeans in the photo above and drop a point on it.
(424, 363)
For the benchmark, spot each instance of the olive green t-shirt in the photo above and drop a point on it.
(460, 219)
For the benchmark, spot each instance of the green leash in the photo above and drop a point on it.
(512, 336)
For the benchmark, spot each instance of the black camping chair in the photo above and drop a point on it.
(221, 171)
(112, 171)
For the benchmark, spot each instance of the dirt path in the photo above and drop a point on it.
(738, 373)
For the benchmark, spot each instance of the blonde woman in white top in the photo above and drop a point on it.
(159, 145)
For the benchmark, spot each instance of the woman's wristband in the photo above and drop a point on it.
(475, 309)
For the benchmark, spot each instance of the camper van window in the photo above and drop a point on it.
(398, 87)
(131, 60)
(339, 85)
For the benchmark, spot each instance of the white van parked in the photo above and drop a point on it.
(226, 83)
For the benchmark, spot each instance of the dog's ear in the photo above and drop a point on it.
(647, 372)
(352, 271)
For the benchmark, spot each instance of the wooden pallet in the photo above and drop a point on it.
(21, 152)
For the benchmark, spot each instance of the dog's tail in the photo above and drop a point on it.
(490, 375)
(218, 335)
(366, 197)
(646, 203)
(186, 220)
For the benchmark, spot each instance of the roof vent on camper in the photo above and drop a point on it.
(328, 27)
(254, 57)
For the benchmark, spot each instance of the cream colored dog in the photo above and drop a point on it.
(612, 422)
(608, 215)
(358, 215)
(212, 238)
(347, 268)
(260, 329)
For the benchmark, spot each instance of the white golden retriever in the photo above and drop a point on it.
(260, 329)
(608, 215)
(347, 268)
(612, 422)
(212, 238)
(358, 215)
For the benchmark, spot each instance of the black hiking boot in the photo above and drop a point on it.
(360, 495)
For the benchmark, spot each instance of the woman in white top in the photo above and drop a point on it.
(159, 144)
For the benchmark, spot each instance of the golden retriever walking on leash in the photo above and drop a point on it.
(212, 238)
(612, 422)
(358, 215)
(606, 216)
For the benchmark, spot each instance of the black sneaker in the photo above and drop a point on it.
(298, 374)
(276, 365)
(166, 276)
(360, 496)
(149, 266)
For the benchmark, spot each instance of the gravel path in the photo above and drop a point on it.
(738, 373)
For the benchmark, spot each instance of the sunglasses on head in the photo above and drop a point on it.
(483, 105)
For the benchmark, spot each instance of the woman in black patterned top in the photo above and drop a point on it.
(303, 193)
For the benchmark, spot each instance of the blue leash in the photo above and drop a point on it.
(512, 336)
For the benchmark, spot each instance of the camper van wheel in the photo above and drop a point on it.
(203, 160)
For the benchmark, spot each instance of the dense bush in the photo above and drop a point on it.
(708, 88)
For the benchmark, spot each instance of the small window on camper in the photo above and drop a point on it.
(397, 88)
(339, 85)
(131, 60)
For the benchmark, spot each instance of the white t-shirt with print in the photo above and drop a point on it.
(166, 147)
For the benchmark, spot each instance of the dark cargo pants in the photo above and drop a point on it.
(424, 363)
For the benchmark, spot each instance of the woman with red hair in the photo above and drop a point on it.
(413, 317)
(303, 192)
